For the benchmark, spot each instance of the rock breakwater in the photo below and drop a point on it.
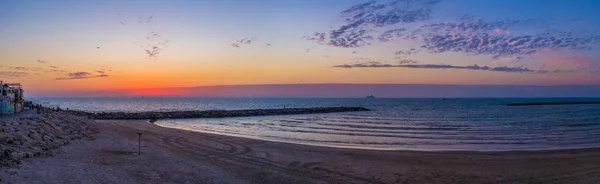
(37, 135)
(217, 113)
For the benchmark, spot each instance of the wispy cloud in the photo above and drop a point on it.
(80, 75)
(243, 41)
(15, 74)
(154, 45)
(406, 53)
(411, 22)
(391, 34)
(519, 69)
(360, 19)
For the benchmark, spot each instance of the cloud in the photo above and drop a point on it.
(474, 36)
(391, 13)
(22, 68)
(55, 71)
(153, 51)
(22, 71)
(41, 61)
(411, 21)
(13, 74)
(149, 19)
(391, 34)
(80, 75)
(513, 58)
(519, 69)
(154, 46)
(406, 53)
(360, 19)
(408, 61)
(244, 41)
(153, 36)
(498, 46)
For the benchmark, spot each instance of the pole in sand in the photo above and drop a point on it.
(139, 143)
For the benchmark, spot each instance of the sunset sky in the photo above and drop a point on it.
(51, 46)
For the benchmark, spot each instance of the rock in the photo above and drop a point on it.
(36, 137)
(50, 153)
(37, 150)
(33, 122)
(7, 152)
(16, 155)
(60, 141)
(5, 136)
(29, 137)
(47, 138)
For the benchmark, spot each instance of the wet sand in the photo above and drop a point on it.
(178, 156)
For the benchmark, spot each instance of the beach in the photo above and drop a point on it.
(179, 156)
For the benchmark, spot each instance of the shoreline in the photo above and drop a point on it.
(180, 156)
(543, 151)
(385, 149)
(170, 155)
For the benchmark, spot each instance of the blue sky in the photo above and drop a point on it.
(158, 44)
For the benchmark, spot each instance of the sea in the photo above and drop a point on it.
(424, 124)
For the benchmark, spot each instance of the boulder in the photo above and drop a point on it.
(17, 155)
(37, 150)
(36, 137)
(47, 138)
(29, 137)
(4, 136)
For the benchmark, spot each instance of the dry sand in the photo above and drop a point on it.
(178, 156)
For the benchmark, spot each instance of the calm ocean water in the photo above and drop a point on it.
(394, 124)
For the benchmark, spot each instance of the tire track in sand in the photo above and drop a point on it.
(245, 160)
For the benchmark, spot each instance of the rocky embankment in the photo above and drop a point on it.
(217, 113)
(38, 135)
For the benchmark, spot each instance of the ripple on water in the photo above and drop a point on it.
(400, 124)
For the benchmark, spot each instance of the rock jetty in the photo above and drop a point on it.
(551, 103)
(216, 113)
(39, 134)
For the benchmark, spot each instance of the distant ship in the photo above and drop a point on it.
(370, 96)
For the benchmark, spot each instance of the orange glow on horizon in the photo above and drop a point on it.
(155, 92)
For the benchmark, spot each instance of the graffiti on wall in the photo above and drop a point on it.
(7, 105)
(7, 108)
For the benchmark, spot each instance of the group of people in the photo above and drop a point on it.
(40, 108)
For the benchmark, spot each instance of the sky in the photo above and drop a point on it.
(53, 47)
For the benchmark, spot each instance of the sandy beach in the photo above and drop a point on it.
(178, 156)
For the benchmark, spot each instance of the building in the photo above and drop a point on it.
(11, 98)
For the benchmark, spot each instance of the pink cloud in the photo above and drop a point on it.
(569, 59)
